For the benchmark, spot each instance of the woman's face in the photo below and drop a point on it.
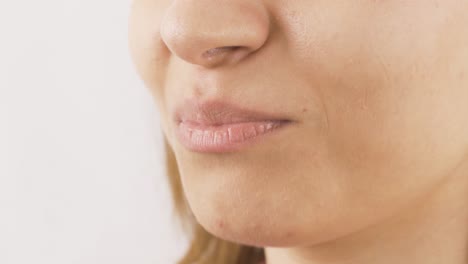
(378, 91)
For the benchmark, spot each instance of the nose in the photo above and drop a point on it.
(211, 33)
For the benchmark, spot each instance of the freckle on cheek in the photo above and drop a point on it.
(304, 110)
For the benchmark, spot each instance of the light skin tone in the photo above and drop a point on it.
(375, 167)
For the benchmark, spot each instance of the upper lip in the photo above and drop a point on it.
(217, 112)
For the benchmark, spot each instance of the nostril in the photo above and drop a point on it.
(214, 33)
(219, 51)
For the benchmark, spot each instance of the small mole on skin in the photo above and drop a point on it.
(220, 224)
(461, 75)
(304, 110)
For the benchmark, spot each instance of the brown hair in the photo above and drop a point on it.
(204, 247)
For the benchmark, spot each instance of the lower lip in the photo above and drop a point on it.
(227, 137)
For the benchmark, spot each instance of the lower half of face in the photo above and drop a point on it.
(380, 92)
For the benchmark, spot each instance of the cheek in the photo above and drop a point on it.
(397, 112)
(388, 75)
(390, 79)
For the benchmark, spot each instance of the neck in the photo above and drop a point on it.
(434, 232)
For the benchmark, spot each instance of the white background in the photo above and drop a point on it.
(81, 165)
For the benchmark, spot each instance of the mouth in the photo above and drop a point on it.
(217, 127)
(226, 137)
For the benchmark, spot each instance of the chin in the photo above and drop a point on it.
(237, 217)
(258, 232)
(263, 220)
(259, 224)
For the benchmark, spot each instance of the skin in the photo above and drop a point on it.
(373, 170)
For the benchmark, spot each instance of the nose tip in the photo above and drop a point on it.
(213, 33)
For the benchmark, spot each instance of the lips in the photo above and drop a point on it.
(217, 126)
(215, 113)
